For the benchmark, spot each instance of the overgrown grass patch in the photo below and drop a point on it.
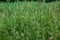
(29, 21)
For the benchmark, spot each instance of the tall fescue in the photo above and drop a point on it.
(30, 21)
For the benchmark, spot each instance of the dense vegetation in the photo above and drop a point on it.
(30, 21)
(27, 0)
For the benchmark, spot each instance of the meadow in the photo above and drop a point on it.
(30, 21)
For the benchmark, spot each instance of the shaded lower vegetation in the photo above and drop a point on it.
(28, 0)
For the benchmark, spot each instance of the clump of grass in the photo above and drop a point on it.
(29, 21)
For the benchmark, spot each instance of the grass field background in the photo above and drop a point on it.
(30, 21)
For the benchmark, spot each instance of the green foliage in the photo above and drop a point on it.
(29, 21)
(28, 0)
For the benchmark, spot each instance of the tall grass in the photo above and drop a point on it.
(29, 21)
